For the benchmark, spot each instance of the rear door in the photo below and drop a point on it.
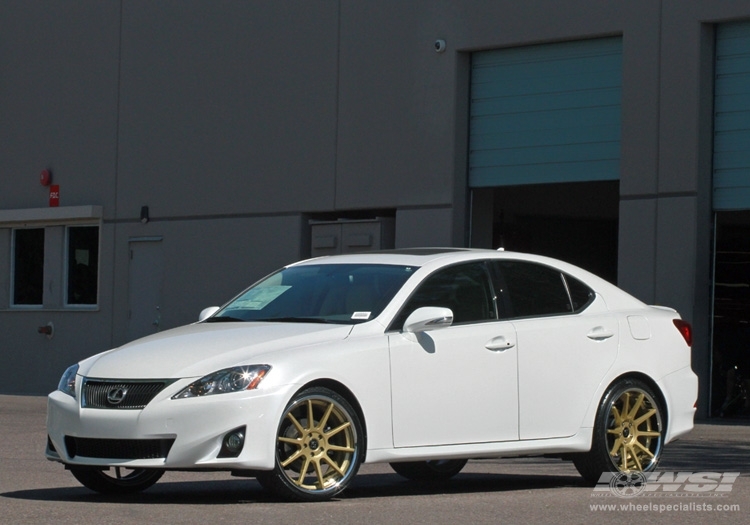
(567, 341)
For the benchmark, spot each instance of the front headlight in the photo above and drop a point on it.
(225, 381)
(68, 381)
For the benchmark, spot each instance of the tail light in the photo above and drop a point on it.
(685, 329)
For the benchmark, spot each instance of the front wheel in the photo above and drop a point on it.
(628, 432)
(435, 470)
(319, 446)
(116, 480)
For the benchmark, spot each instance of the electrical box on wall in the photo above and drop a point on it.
(352, 236)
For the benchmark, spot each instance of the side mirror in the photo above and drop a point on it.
(428, 318)
(207, 312)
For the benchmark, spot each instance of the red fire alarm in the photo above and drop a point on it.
(45, 177)
(54, 196)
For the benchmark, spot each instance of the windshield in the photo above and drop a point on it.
(323, 293)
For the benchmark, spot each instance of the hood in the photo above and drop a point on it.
(199, 349)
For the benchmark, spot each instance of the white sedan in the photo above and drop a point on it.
(420, 358)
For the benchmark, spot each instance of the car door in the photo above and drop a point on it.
(566, 342)
(456, 384)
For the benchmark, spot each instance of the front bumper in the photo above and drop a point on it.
(196, 425)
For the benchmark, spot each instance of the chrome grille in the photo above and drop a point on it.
(120, 395)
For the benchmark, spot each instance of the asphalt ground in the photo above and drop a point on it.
(520, 490)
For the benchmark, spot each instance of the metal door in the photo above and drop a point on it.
(145, 276)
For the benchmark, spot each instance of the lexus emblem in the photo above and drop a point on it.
(116, 395)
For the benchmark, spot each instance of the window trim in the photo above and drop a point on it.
(42, 217)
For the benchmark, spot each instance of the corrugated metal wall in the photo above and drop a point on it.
(546, 113)
(732, 117)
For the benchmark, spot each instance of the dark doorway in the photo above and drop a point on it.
(576, 222)
(731, 316)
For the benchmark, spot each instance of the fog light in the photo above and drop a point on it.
(232, 444)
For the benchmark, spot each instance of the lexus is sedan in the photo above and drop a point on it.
(421, 358)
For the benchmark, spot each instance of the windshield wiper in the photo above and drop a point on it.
(224, 319)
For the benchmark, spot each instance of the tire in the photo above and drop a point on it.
(116, 480)
(628, 432)
(436, 470)
(319, 447)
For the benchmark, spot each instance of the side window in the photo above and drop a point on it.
(580, 294)
(83, 265)
(28, 267)
(464, 288)
(533, 289)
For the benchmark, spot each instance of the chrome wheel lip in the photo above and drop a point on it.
(351, 461)
(629, 429)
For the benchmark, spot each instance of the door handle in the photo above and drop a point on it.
(600, 333)
(157, 319)
(499, 344)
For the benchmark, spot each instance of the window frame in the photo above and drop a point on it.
(504, 299)
(485, 263)
(54, 221)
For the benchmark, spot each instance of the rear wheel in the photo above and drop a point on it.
(116, 480)
(319, 447)
(628, 432)
(434, 470)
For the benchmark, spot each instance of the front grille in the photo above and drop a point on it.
(121, 395)
(118, 448)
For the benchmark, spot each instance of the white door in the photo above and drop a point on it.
(456, 384)
(449, 387)
(561, 362)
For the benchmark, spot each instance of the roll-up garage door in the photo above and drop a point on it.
(546, 113)
(732, 117)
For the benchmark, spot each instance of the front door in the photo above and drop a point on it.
(457, 384)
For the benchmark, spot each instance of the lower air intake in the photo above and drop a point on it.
(118, 448)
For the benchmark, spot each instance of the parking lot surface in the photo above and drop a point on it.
(697, 483)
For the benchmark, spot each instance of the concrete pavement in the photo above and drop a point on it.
(524, 490)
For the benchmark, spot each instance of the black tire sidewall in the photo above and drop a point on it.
(99, 481)
(426, 471)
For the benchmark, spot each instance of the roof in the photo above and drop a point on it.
(407, 256)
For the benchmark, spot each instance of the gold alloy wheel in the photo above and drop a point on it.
(316, 444)
(634, 432)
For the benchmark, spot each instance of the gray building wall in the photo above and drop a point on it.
(238, 122)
